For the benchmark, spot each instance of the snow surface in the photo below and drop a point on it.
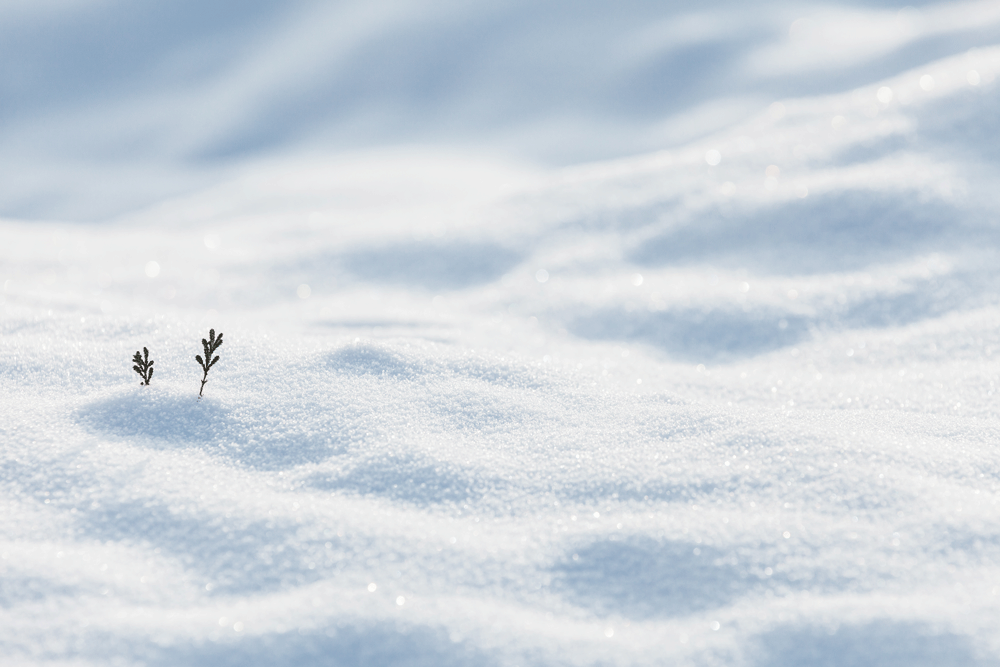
(730, 403)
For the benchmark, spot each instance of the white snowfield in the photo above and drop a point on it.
(728, 404)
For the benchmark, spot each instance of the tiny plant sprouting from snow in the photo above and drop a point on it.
(210, 346)
(144, 367)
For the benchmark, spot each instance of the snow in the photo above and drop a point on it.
(729, 402)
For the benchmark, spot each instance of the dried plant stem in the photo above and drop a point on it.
(209, 345)
(143, 366)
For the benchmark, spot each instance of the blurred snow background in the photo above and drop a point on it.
(556, 334)
(110, 105)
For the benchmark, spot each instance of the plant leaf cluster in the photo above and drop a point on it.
(143, 366)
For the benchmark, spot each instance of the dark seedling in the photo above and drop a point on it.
(144, 367)
(210, 346)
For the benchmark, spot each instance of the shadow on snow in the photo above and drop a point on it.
(338, 645)
(407, 478)
(823, 233)
(236, 556)
(876, 644)
(644, 578)
(440, 265)
(260, 436)
(705, 336)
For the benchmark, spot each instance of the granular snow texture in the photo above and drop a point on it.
(728, 404)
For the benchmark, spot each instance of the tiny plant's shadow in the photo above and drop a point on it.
(261, 436)
(153, 413)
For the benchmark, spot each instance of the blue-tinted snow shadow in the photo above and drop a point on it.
(471, 410)
(152, 413)
(235, 556)
(438, 265)
(18, 589)
(962, 125)
(729, 334)
(367, 360)
(871, 149)
(708, 336)
(433, 265)
(353, 644)
(923, 299)
(822, 233)
(257, 436)
(883, 643)
(452, 401)
(418, 480)
(640, 577)
(374, 360)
